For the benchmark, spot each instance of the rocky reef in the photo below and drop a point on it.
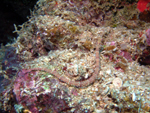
(78, 56)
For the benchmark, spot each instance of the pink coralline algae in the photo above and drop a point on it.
(126, 55)
(23, 81)
(143, 5)
(32, 93)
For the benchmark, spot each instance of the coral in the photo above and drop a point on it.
(144, 8)
(142, 5)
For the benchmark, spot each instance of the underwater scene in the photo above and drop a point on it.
(79, 56)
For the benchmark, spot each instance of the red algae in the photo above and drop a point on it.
(142, 5)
